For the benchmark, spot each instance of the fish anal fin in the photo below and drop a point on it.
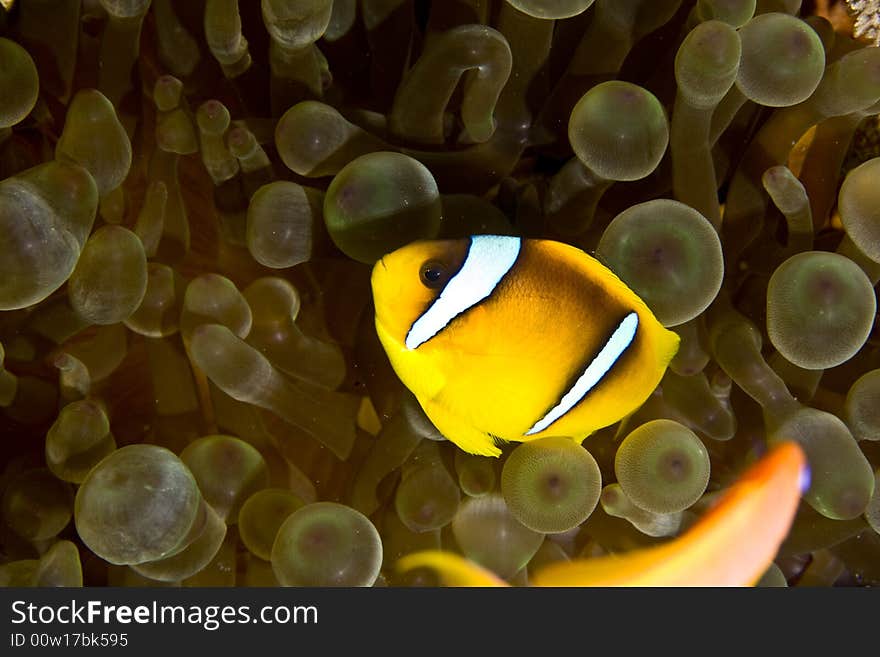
(498, 440)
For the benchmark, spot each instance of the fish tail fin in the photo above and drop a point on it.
(671, 341)
(666, 344)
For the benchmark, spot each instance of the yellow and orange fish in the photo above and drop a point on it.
(508, 339)
(732, 545)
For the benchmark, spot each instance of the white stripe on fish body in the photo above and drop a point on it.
(488, 260)
(619, 341)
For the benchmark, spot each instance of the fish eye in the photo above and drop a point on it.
(433, 274)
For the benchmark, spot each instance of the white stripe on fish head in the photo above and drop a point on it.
(488, 260)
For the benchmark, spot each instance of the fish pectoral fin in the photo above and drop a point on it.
(460, 432)
(428, 382)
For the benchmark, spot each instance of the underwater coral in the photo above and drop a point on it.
(193, 195)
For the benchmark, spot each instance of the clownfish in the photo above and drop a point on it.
(508, 339)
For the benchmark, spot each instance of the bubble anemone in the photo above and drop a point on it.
(60, 566)
(669, 254)
(245, 374)
(36, 505)
(398, 541)
(872, 511)
(616, 503)
(78, 439)
(707, 63)
(227, 471)
(125, 8)
(859, 206)
(327, 544)
(380, 202)
(489, 534)
(281, 219)
(8, 381)
(198, 553)
(211, 298)
(796, 53)
(551, 9)
(19, 83)
(820, 309)
(158, 315)
(790, 197)
(481, 58)
(213, 119)
(275, 304)
(314, 139)
(18, 573)
(476, 474)
(862, 406)
(94, 138)
(735, 13)
(38, 255)
(619, 131)
(706, 66)
(662, 466)
(139, 504)
(427, 497)
(185, 234)
(110, 279)
(299, 24)
(551, 485)
(841, 479)
(772, 577)
(261, 515)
